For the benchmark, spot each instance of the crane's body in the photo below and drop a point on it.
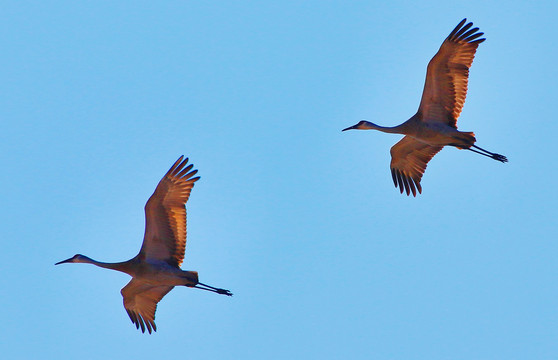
(150, 271)
(432, 133)
(435, 123)
(156, 269)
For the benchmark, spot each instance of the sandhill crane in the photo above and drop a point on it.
(434, 124)
(156, 269)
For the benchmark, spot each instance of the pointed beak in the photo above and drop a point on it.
(350, 128)
(64, 261)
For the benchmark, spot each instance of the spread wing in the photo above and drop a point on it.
(140, 302)
(447, 76)
(165, 215)
(408, 162)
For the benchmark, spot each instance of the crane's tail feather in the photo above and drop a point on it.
(466, 139)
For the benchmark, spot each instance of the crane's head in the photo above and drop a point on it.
(78, 258)
(362, 125)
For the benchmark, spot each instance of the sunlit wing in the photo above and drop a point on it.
(165, 215)
(408, 162)
(447, 75)
(140, 302)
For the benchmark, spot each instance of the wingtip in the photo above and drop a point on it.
(179, 168)
(178, 161)
(400, 182)
(464, 33)
(412, 186)
(405, 183)
(456, 29)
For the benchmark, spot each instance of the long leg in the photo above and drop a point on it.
(213, 289)
(489, 154)
(478, 152)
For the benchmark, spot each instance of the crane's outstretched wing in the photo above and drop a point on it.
(408, 162)
(447, 76)
(165, 215)
(140, 302)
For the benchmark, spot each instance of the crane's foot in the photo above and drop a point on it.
(223, 292)
(499, 157)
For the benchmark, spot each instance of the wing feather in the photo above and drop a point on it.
(408, 162)
(447, 76)
(140, 302)
(165, 215)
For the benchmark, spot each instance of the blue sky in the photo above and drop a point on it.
(301, 221)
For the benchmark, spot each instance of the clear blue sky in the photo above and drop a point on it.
(301, 221)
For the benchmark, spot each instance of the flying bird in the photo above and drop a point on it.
(435, 123)
(156, 269)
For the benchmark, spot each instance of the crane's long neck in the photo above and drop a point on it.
(399, 129)
(124, 266)
(367, 125)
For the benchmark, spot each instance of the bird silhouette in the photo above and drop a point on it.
(156, 269)
(435, 123)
